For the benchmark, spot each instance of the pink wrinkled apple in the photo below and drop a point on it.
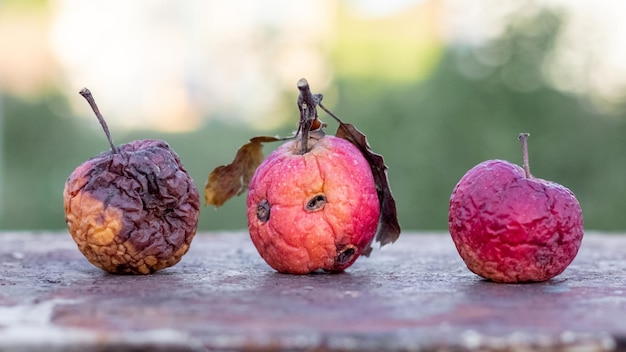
(511, 227)
(311, 211)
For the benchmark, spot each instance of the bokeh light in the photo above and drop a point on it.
(437, 86)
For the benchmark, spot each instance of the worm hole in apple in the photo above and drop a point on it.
(263, 211)
(345, 255)
(87, 95)
(316, 203)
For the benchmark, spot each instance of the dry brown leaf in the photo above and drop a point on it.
(388, 226)
(227, 181)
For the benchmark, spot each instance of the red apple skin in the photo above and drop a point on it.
(509, 228)
(295, 240)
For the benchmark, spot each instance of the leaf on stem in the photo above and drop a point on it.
(388, 226)
(227, 181)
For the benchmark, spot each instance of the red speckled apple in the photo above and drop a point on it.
(313, 210)
(317, 202)
(511, 227)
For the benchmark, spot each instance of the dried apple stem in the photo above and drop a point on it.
(330, 113)
(523, 137)
(87, 95)
(307, 104)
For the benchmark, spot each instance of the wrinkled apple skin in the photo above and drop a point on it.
(509, 228)
(132, 212)
(295, 240)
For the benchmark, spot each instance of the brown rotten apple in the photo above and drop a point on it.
(317, 201)
(133, 209)
(509, 226)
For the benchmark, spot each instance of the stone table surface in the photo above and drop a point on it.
(413, 295)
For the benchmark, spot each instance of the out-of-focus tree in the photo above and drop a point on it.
(434, 108)
(472, 108)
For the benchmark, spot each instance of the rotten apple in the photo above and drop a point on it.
(509, 226)
(317, 201)
(133, 209)
(313, 210)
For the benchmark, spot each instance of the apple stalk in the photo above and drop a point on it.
(307, 104)
(523, 137)
(87, 95)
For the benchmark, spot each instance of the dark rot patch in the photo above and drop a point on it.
(345, 256)
(134, 211)
(263, 211)
(316, 203)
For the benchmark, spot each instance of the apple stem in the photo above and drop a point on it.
(307, 104)
(87, 95)
(523, 137)
(330, 113)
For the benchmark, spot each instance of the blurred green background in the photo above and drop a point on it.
(437, 86)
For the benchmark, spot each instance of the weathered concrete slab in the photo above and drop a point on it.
(413, 295)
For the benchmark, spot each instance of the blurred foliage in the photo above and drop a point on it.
(471, 108)
(29, 4)
(399, 48)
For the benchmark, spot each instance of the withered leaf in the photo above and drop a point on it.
(227, 181)
(388, 226)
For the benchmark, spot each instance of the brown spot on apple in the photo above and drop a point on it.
(263, 211)
(345, 255)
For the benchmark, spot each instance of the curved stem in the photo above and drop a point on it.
(330, 113)
(523, 137)
(87, 95)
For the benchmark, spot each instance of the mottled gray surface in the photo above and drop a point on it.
(413, 295)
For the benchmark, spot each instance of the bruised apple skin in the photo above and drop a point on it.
(318, 201)
(511, 227)
(132, 212)
(133, 209)
(311, 211)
